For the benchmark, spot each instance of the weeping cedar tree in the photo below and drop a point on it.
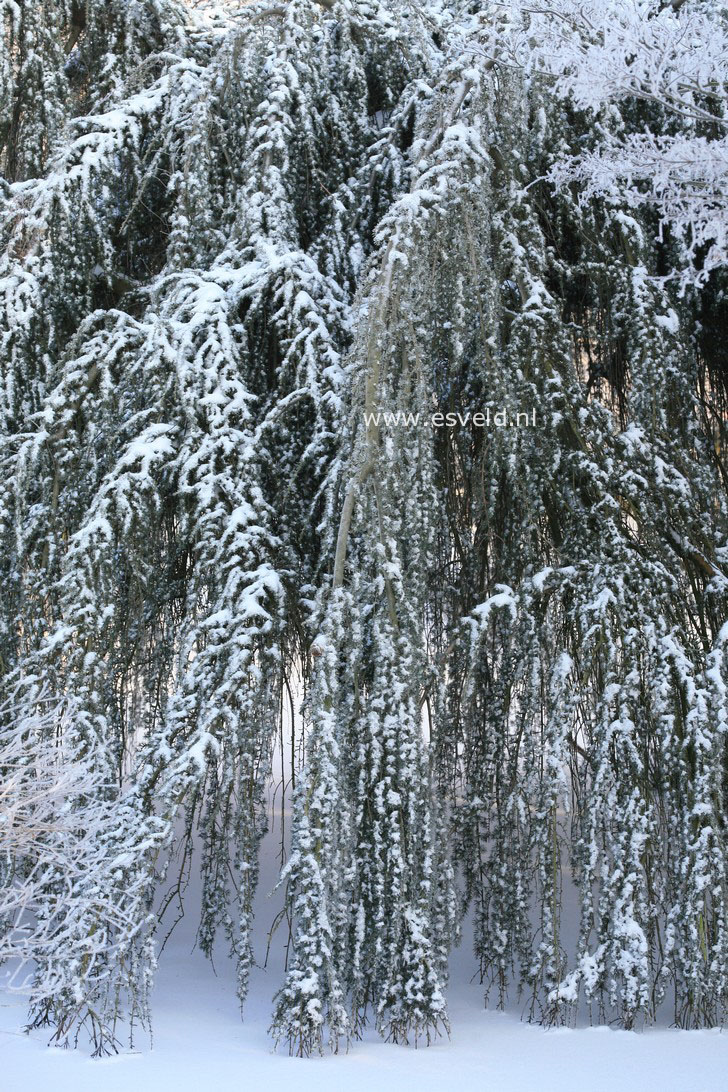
(228, 244)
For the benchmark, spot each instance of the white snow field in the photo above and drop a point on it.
(200, 1045)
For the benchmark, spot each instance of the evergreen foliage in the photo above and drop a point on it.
(232, 245)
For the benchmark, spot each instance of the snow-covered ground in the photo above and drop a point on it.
(200, 1045)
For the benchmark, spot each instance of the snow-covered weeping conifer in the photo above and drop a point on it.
(174, 324)
(600, 565)
(226, 245)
